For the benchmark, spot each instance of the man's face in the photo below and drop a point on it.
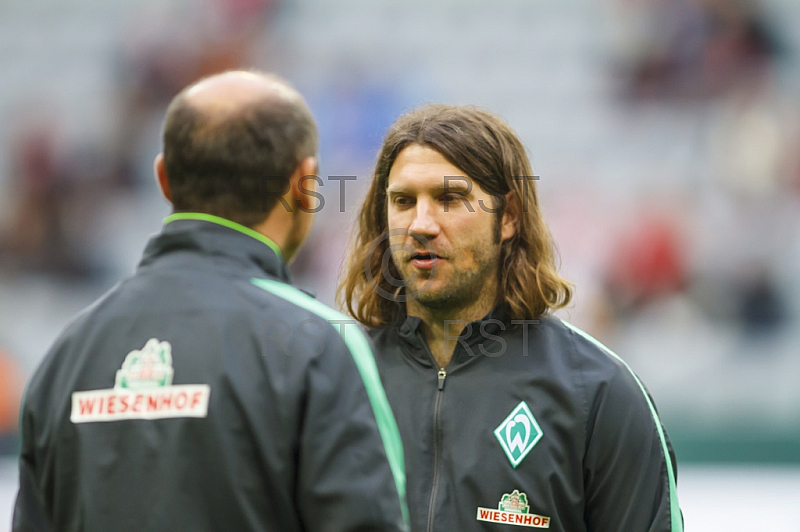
(444, 239)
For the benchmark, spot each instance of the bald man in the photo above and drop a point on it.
(205, 393)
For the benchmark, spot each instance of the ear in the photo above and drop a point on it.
(510, 221)
(304, 183)
(161, 176)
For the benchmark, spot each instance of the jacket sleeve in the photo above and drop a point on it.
(29, 510)
(351, 475)
(629, 466)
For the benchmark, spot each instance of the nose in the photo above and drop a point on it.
(425, 220)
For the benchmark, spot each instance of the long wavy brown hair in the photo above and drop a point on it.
(488, 151)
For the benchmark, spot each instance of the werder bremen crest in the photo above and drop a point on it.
(148, 367)
(518, 433)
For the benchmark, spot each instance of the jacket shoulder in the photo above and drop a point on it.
(597, 371)
(298, 308)
(296, 298)
(588, 353)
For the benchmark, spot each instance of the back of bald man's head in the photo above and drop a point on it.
(231, 142)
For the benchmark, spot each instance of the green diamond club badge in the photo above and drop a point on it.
(518, 433)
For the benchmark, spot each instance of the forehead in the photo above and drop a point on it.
(418, 168)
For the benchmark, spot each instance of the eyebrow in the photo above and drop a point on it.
(453, 184)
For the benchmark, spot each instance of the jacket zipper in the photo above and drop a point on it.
(437, 443)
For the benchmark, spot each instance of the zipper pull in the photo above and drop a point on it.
(442, 375)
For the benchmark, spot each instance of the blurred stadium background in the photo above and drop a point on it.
(665, 134)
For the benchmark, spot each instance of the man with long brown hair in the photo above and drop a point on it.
(509, 416)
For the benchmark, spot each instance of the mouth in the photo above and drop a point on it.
(425, 261)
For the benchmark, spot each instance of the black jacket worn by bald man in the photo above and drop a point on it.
(531, 425)
(205, 393)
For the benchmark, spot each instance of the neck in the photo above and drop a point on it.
(277, 227)
(441, 327)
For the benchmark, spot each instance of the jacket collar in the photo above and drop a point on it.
(211, 235)
(407, 327)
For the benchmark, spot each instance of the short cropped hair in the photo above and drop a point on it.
(235, 166)
(487, 150)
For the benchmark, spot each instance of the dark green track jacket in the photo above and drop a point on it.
(531, 425)
(205, 393)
